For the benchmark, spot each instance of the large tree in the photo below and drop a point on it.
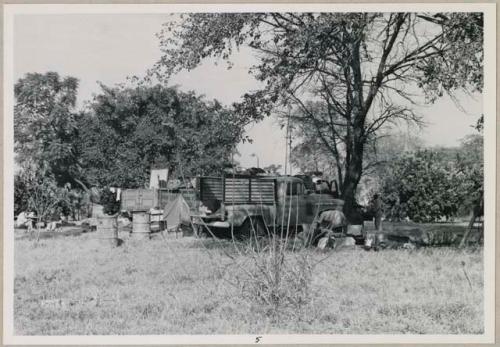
(347, 73)
(127, 131)
(45, 124)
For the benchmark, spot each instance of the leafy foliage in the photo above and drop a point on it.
(432, 184)
(463, 35)
(45, 124)
(77, 204)
(130, 130)
(46, 144)
(44, 197)
(470, 165)
(420, 187)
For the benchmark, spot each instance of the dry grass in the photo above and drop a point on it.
(78, 285)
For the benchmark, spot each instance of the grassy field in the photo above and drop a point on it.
(79, 285)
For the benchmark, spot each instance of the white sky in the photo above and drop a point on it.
(108, 48)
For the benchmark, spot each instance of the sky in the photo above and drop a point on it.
(108, 48)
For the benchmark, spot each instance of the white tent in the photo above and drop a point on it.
(177, 212)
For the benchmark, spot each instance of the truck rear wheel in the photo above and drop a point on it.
(252, 227)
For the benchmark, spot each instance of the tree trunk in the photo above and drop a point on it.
(355, 134)
(351, 180)
(38, 222)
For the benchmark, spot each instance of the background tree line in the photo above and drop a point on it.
(69, 154)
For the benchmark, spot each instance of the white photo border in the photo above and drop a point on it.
(489, 107)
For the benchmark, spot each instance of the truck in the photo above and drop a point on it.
(243, 205)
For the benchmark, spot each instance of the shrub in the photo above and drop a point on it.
(277, 280)
(425, 186)
(271, 272)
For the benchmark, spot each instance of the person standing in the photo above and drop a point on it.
(378, 211)
(31, 221)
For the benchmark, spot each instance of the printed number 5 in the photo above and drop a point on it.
(257, 339)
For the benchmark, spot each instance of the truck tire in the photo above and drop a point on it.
(252, 227)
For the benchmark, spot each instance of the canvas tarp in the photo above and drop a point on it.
(176, 212)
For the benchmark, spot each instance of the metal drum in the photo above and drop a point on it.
(140, 225)
(107, 230)
(156, 220)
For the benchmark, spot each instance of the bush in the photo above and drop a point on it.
(271, 272)
(277, 280)
(425, 186)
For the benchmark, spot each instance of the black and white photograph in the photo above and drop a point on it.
(249, 173)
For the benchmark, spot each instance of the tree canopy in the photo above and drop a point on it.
(346, 74)
(129, 130)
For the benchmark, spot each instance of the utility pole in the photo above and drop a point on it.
(286, 141)
(290, 148)
(256, 156)
(232, 160)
